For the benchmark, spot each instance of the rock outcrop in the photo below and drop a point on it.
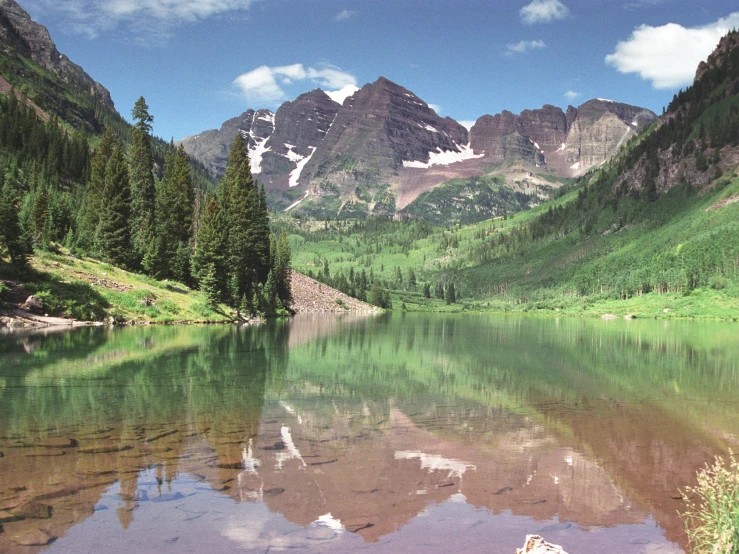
(569, 143)
(211, 147)
(21, 35)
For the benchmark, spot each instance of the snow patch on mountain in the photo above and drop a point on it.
(441, 157)
(295, 173)
(256, 152)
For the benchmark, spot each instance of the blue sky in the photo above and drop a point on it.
(200, 62)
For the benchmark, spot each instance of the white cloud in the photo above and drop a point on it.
(572, 95)
(669, 55)
(343, 15)
(543, 11)
(525, 45)
(466, 123)
(435, 107)
(261, 84)
(148, 17)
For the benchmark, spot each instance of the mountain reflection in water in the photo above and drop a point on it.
(387, 433)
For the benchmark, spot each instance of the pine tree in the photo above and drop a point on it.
(241, 200)
(426, 290)
(211, 251)
(10, 230)
(175, 208)
(113, 236)
(92, 204)
(143, 191)
(283, 272)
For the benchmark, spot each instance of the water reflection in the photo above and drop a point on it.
(333, 433)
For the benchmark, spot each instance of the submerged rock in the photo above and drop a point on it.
(32, 537)
(33, 510)
(537, 545)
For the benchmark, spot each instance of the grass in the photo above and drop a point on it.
(89, 290)
(712, 509)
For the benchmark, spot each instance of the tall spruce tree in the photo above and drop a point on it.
(92, 204)
(10, 230)
(169, 253)
(282, 272)
(210, 257)
(143, 191)
(241, 202)
(113, 236)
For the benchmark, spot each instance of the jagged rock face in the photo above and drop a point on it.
(300, 127)
(19, 33)
(380, 129)
(212, 147)
(600, 128)
(278, 142)
(570, 143)
(384, 140)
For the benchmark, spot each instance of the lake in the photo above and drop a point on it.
(387, 433)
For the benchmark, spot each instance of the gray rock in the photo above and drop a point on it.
(34, 304)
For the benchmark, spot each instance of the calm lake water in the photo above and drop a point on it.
(392, 433)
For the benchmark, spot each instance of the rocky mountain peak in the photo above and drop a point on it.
(21, 35)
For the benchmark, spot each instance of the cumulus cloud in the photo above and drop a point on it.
(668, 55)
(543, 11)
(265, 83)
(572, 95)
(343, 15)
(467, 123)
(151, 17)
(525, 46)
(436, 108)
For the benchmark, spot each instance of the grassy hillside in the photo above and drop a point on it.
(89, 290)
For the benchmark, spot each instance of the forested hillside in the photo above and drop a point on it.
(76, 178)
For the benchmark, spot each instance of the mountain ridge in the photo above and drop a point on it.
(385, 138)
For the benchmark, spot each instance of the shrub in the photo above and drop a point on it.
(712, 509)
(718, 282)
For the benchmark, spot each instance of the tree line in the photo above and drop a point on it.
(111, 204)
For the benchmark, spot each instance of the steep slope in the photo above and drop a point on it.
(22, 35)
(211, 147)
(568, 143)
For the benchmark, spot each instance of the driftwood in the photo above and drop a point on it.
(537, 545)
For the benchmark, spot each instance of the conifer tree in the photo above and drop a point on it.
(211, 254)
(241, 201)
(143, 191)
(170, 254)
(451, 296)
(282, 272)
(113, 236)
(89, 214)
(10, 230)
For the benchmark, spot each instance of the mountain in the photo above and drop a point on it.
(23, 36)
(569, 143)
(383, 147)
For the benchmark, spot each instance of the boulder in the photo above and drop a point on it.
(34, 304)
(535, 544)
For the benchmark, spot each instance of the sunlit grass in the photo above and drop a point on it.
(712, 509)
